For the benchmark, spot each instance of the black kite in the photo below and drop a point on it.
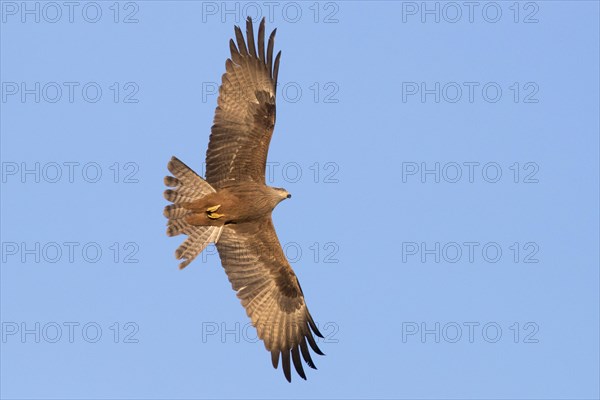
(233, 206)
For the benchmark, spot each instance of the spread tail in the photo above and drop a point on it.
(187, 186)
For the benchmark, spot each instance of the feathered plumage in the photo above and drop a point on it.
(233, 206)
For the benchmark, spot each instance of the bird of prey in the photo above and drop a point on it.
(232, 207)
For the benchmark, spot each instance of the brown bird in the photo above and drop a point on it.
(233, 206)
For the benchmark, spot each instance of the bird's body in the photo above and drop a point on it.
(232, 207)
(235, 204)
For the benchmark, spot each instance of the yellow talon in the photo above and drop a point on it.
(214, 215)
(213, 208)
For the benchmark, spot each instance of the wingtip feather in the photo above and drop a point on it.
(276, 68)
(285, 365)
(306, 354)
(261, 40)
(240, 41)
(250, 37)
(313, 326)
(313, 345)
(297, 362)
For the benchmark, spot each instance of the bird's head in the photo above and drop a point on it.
(281, 193)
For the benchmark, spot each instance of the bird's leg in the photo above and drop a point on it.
(210, 211)
(213, 208)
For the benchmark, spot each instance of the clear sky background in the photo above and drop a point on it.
(444, 221)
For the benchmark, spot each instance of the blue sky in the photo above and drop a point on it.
(443, 161)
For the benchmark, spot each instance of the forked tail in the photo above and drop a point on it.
(187, 186)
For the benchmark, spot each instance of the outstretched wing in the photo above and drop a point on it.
(269, 291)
(245, 115)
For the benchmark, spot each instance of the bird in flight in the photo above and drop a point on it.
(232, 206)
